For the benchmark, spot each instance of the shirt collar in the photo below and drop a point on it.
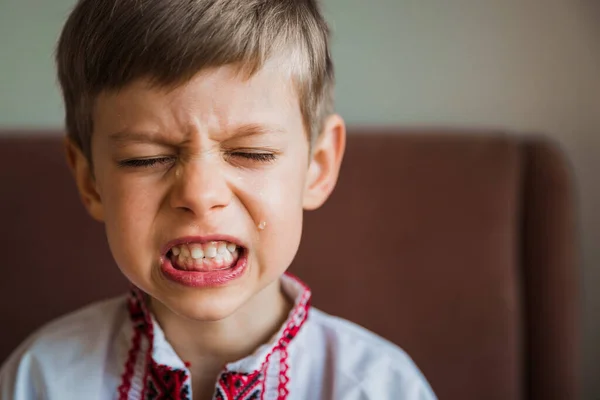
(163, 353)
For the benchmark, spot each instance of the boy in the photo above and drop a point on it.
(198, 131)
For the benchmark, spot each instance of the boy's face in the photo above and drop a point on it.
(228, 158)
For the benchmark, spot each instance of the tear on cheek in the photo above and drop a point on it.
(262, 225)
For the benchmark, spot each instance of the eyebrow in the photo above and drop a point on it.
(240, 131)
(255, 130)
(126, 136)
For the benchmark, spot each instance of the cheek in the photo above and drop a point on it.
(275, 195)
(281, 235)
(130, 209)
(278, 211)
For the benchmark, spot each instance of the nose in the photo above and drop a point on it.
(200, 187)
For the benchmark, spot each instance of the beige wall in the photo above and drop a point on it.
(525, 65)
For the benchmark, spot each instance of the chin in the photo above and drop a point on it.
(208, 306)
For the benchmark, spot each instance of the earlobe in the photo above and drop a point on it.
(86, 184)
(325, 163)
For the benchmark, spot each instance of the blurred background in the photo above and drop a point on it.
(519, 65)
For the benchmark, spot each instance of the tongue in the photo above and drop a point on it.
(203, 264)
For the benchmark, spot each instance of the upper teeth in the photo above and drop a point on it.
(197, 252)
(204, 250)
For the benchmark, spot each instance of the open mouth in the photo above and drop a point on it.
(205, 257)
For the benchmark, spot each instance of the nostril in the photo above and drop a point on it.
(185, 209)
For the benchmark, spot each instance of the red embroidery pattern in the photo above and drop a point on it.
(129, 365)
(161, 382)
(294, 324)
(238, 386)
(137, 318)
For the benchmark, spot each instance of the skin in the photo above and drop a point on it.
(204, 183)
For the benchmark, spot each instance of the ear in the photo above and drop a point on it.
(86, 183)
(326, 159)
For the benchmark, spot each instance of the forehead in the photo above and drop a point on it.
(215, 99)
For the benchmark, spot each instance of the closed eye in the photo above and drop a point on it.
(145, 162)
(261, 157)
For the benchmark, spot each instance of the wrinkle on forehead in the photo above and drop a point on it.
(213, 100)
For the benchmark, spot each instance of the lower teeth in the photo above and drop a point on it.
(213, 264)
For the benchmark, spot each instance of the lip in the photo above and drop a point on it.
(203, 279)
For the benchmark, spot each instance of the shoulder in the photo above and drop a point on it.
(76, 329)
(365, 362)
(59, 346)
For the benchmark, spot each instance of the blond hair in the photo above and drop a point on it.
(107, 44)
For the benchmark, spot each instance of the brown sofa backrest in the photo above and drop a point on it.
(459, 247)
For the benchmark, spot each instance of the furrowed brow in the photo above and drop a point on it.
(256, 130)
(124, 137)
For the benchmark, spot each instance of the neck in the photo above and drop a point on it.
(210, 345)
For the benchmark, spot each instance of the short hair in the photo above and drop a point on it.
(107, 44)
